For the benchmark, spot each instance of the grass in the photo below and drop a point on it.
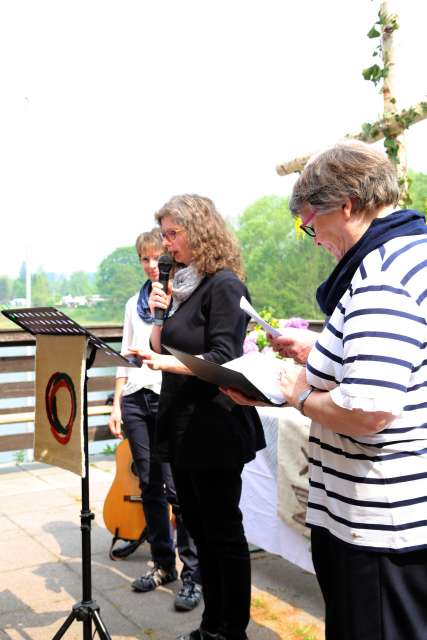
(258, 603)
(282, 618)
(19, 456)
(109, 450)
(303, 633)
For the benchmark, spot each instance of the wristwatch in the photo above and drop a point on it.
(303, 397)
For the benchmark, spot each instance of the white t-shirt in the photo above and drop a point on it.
(136, 333)
(372, 355)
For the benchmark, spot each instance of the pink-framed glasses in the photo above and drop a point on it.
(308, 228)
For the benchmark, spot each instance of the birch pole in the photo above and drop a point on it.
(394, 143)
(394, 120)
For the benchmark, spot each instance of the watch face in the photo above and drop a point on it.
(302, 398)
(304, 395)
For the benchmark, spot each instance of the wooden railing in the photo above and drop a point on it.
(22, 391)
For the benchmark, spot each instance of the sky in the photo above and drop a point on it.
(110, 107)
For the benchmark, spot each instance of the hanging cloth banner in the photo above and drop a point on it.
(292, 470)
(58, 431)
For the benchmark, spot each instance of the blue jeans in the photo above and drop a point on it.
(139, 412)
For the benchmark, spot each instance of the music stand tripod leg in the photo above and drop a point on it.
(86, 610)
(65, 626)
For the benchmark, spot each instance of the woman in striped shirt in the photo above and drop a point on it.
(364, 387)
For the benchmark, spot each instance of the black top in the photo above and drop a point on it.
(197, 426)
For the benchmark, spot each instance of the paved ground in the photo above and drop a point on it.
(40, 569)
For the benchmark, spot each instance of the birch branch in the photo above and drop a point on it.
(388, 125)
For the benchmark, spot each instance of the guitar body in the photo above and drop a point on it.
(123, 513)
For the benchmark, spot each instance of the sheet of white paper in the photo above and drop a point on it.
(263, 371)
(246, 306)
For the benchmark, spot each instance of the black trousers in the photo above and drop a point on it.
(139, 412)
(210, 505)
(370, 595)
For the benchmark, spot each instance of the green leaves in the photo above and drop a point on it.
(392, 147)
(383, 27)
(373, 32)
(375, 73)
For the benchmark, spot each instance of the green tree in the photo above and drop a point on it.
(58, 285)
(41, 294)
(119, 275)
(6, 286)
(283, 270)
(418, 191)
(80, 284)
(18, 286)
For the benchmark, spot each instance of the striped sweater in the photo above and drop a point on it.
(372, 355)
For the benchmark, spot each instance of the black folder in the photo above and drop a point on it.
(220, 376)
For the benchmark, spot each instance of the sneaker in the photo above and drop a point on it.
(154, 578)
(189, 596)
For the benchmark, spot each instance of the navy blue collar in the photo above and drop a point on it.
(400, 223)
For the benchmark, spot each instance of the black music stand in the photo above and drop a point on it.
(50, 321)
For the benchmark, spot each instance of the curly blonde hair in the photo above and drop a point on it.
(213, 245)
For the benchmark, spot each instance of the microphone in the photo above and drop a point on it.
(165, 265)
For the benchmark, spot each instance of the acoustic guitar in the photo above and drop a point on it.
(123, 513)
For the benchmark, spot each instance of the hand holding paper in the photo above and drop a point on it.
(246, 306)
(289, 342)
(294, 343)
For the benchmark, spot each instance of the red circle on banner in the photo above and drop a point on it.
(59, 380)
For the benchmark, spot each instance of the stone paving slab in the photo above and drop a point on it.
(40, 570)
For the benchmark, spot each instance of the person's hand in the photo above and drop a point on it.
(159, 298)
(115, 422)
(294, 343)
(292, 382)
(241, 399)
(160, 361)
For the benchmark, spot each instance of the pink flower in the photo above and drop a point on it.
(297, 323)
(249, 345)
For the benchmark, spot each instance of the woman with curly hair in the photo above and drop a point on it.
(205, 437)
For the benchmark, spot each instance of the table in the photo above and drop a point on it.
(262, 485)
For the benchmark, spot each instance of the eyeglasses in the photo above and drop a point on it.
(170, 234)
(308, 228)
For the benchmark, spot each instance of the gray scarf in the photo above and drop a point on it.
(185, 281)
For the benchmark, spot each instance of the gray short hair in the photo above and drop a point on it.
(349, 169)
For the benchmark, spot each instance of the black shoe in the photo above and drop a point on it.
(154, 578)
(199, 634)
(189, 596)
(126, 549)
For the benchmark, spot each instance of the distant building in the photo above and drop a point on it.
(93, 299)
(19, 302)
(71, 302)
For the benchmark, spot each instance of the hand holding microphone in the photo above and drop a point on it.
(159, 298)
